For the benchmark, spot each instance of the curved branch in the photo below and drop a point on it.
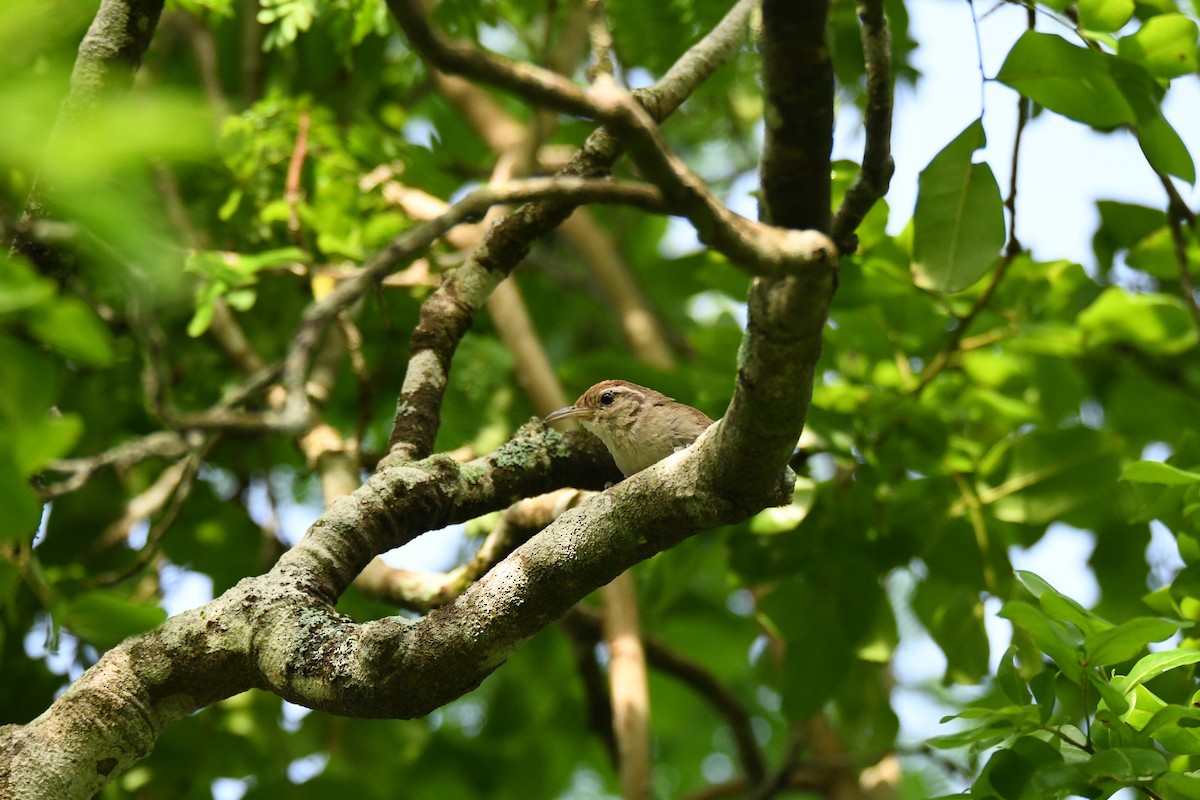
(448, 312)
(876, 174)
(161, 444)
(423, 591)
(542, 87)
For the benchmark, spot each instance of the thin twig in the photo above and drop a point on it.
(161, 444)
(873, 178)
(1178, 215)
(662, 657)
(447, 313)
(601, 38)
(292, 193)
(149, 551)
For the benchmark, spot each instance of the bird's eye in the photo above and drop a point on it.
(606, 398)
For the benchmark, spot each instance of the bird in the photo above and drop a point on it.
(639, 426)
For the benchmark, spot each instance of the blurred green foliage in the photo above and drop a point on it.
(947, 428)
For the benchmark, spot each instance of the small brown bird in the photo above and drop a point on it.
(639, 426)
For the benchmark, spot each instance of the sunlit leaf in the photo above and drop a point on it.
(1165, 149)
(1165, 45)
(959, 220)
(1126, 640)
(1156, 323)
(1155, 664)
(1105, 15)
(72, 328)
(1126, 764)
(1158, 472)
(1073, 81)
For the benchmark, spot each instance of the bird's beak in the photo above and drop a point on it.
(568, 412)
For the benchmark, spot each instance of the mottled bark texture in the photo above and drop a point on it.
(798, 111)
(280, 632)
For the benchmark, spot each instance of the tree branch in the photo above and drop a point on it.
(798, 92)
(447, 313)
(873, 178)
(161, 444)
(704, 683)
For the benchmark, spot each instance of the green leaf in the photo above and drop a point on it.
(21, 288)
(1164, 148)
(998, 725)
(1126, 640)
(1171, 716)
(1158, 472)
(230, 206)
(958, 225)
(1155, 664)
(38, 443)
(104, 617)
(1155, 254)
(1123, 225)
(1051, 637)
(1050, 475)
(1105, 15)
(242, 299)
(1010, 771)
(22, 509)
(1175, 727)
(202, 318)
(953, 615)
(1043, 686)
(811, 675)
(1155, 323)
(1072, 81)
(1108, 692)
(251, 263)
(1060, 607)
(26, 383)
(1185, 787)
(1165, 45)
(1126, 765)
(71, 327)
(1009, 681)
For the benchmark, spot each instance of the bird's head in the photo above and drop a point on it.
(639, 426)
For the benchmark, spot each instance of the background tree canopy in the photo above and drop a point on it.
(273, 263)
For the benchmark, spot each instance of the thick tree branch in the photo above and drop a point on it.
(278, 630)
(789, 306)
(798, 91)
